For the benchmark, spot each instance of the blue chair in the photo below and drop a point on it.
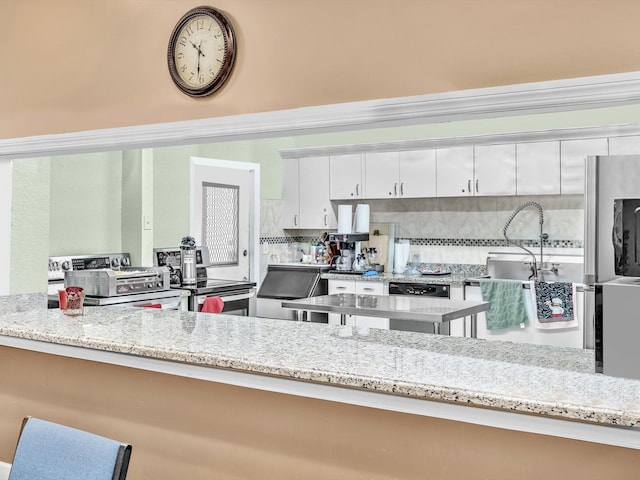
(50, 451)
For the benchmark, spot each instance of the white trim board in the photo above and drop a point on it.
(504, 101)
(607, 435)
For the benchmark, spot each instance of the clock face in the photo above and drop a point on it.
(201, 51)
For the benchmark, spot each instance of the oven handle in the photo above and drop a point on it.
(229, 298)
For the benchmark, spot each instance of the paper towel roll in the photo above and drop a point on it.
(361, 221)
(401, 256)
(344, 218)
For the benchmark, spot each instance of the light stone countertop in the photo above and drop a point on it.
(543, 380)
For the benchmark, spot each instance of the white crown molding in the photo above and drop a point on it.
(523, 99)
(607, 131)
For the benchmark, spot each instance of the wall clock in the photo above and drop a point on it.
(201, 52)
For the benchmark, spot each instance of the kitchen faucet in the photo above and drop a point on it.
(543, 236)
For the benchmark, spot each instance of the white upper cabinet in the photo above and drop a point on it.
(382, 174)
(538, 168)
(305, 194)
(495, 170)
(290, 193)
(405, 174)
(629, 145)
(346, 173)
(418, 173)
(573, 154)
(454, 175)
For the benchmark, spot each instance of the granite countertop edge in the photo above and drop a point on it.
(576, 395)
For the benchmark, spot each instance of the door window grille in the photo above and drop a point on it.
(220, 222)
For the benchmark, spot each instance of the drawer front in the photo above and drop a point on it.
(342, 286)
(369, 288)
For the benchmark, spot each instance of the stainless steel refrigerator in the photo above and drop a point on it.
(612, 301)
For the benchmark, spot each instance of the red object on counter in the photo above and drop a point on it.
(212, 305)
(62, 299)
(151, 305)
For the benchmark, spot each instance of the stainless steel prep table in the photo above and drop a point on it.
(418, 309)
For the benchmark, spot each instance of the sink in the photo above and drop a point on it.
(556, 268)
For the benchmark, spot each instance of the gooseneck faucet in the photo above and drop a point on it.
(543, 236)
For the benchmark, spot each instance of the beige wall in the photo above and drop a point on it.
(72, 65)
(183, 428)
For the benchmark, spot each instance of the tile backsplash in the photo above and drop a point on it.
(454, 230)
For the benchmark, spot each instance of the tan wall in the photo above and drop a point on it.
(72, 65)
(184, 428)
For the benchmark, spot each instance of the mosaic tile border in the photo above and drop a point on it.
(444, 242)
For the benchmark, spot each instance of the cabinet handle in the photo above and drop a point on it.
(295, 220)
(341, 288)
(368, 289)
(469, 185)
(395, 189)
(357, 189)
(476, 185)
(402, 188)
(325, 220)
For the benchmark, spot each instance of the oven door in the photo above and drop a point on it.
(236, 302)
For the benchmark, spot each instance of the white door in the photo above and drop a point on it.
(573, 154)
(538, 168)
(495, 169)
(418, 173)
(454, 175)
(225, 215)
(346, 177)
(381, 171)
(290, 193)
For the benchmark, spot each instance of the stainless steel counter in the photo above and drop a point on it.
(400, 307)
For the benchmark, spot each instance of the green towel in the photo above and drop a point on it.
(507, 305)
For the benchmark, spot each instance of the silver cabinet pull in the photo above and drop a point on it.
(395, 189)
(341, 288)
(469, 185)
(368, 289)
(325, 220)
(295, 220)
(476, 185)
(402, 188)
(357, 189)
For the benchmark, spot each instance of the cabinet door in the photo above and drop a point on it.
(315, 207)
(629, 145)
(454, 175)
(341, 286)
(346, 177)
(417, 174)
(495, 170)
(290, 193)
(538, 168)
(370, 288)
(381, 175)
(573, 154)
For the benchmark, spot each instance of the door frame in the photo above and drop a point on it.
(254, 207)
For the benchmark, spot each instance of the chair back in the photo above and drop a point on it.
(50, 451)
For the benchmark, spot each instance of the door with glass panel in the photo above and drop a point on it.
(221, 200)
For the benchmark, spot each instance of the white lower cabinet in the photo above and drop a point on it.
(360, 288)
